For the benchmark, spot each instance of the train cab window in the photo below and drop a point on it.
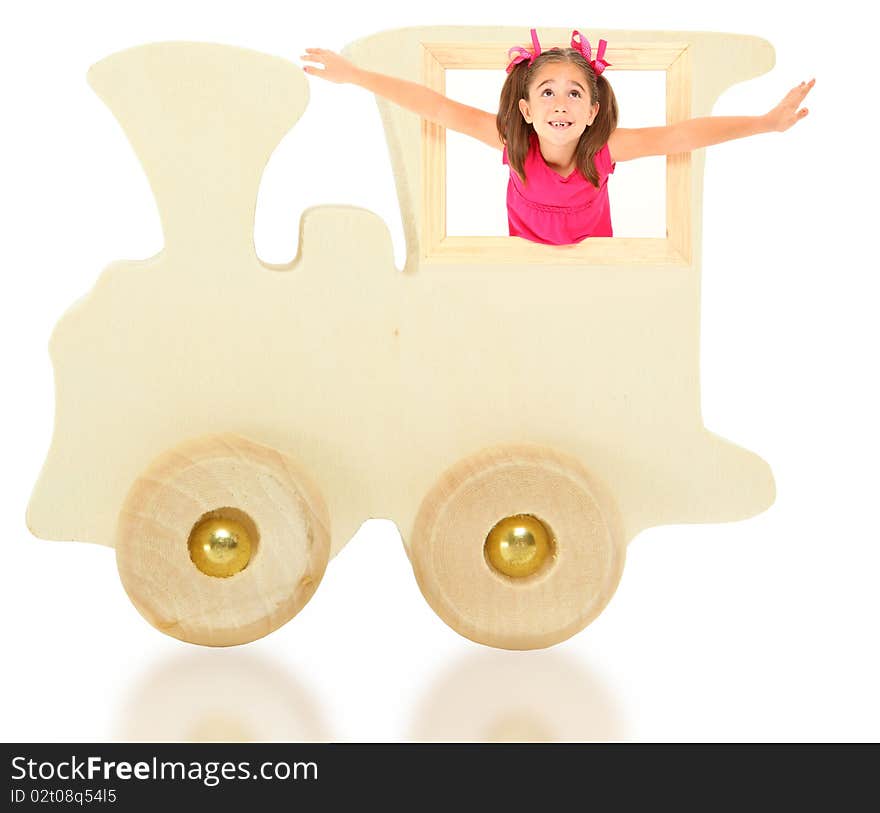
(465, 182)
(476, 180)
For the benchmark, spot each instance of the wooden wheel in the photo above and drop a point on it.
(517, 547)
(221, 541)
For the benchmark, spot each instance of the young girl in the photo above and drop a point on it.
(557, 129)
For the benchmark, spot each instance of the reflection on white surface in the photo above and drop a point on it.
(219, 695)
(517, 697)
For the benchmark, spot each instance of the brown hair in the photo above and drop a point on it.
(515, 131)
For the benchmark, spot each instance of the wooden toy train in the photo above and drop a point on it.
(520, 411)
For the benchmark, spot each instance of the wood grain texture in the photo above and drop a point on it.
(502, 253)
(679, 178)
(433, 228)
(492, 55)
(168, 499)
(482, 604)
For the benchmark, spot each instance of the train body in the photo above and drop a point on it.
(422, 395)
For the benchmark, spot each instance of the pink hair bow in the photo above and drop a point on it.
(519, 54)
(579, 43)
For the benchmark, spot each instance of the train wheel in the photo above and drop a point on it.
(517, 547)
(221, 541)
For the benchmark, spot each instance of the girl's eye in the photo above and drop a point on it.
(576, 94)
(546, 91)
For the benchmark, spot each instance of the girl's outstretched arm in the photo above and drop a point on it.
(422, 100)
(626, 144)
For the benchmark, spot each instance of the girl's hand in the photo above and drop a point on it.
(335, 68)
(786, 113)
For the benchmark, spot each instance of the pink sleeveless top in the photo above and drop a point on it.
(555, 210)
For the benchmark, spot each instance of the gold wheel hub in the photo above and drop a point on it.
(220, 545)
(519, 546)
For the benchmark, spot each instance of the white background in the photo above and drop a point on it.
(758, 630)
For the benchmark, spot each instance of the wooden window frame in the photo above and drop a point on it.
(439, 247)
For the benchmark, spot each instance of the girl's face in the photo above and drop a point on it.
(559, 105)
